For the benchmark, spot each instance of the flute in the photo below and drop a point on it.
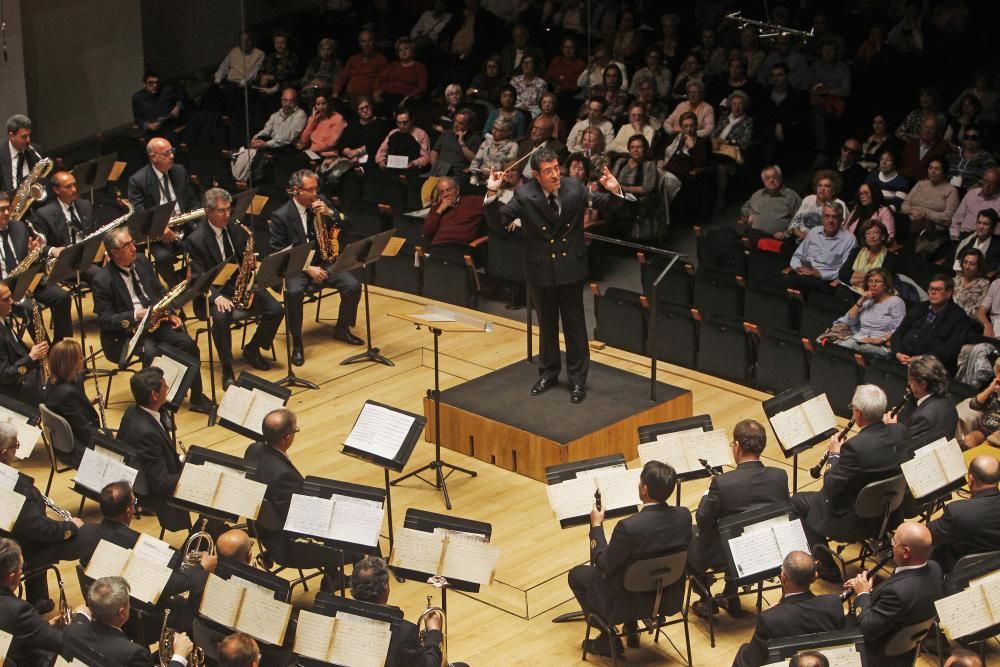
(870, 573)
(817, 469)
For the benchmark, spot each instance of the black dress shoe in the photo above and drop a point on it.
(600, 646)
(201, 404)
(577, 393)
(297, 357)
(542, 385)
(228, 377)
(734, 608)
(252, 356)
(345, 335)
(704, 608)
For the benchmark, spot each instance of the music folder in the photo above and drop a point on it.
(100, 467)
(652, 432)
(247, 401)
(934, 468)
(840, 647)
(11, 503)
(239, 604)
(179, 369)
(427, 554)
(384, 435)
(146, 577)
(149, 223)
(684, 450)
(338, 515)
(26, 420)
(114, 449)
(800, 418)
(342, 631)
(581, 472)
(756, 541)
(24, 283)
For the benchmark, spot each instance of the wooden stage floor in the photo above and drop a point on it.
(509, 623)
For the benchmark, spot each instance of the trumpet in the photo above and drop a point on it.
(97, 389)
(422, 628)
(817, 470)
(198, 543)
(165, 651)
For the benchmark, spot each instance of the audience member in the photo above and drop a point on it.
(770, 209)
(610, 90)
(869, 323)
(507, 110)
(692, 71)
(401, 80)
(870, 206)
(969, 161)
(406, 140)
(967, 117)
(596, 106)
(982, 239)
(653, 71)
(686, 155)
(455, 148)
(565, 68)
(796, 67)
(452, 218)
(935, 327)
(541, 133)
(241, 64)
(975, 202)
(829, 88)
(826, 185)
(322, 70)
(549, 108)
(731, 140)
(893, 186)
(487, 84)
(851, 173)
(156, 110)
(930, 206)
(362, 138)
(877, 141)
(626, 41)
(870, 253)
(696, 104)
(513, 54)
(711, 52)
(918, 152)
(720, 88)
(637, 174)
(530, 86)
(823, 251)
(323, 129)
(362, 70)
(280, 68)
(985, 92)
(638, 123)
(496, 150)
(426, 31)
(909, 129)
(970, 281)
(781, 115)
(593, 75)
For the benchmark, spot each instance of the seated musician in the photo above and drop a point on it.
(160, 182)
(20, 377)
(658, 529)
(236, 545)
(928, 405)
(294, 224)
(238, 650)
(867, 457)
(99, 628)
(963, 657)
(35, 641)
(750, 485)
(123, 291)
(973, 525)
(143, 428)
(67, 219)
(212, 244)
(43, 541)
(16, 241)
(65, 396)
(800, 612)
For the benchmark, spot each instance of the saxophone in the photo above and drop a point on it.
(243, 293)
(184, 218)
(31, 189)
(38, 333)
(35, 255)
(161, 309)
(104, 229)
(326, 238)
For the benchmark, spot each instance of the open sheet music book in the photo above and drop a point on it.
(763, 546)
(837, 656)
(803, 422)
(971, 610)
(220, 488)
(575, 497)
(458, 556)
(682, 449)
(344, 639)
(247, 407)
(173, 374)
(379, 431)
(934, 466)
(11, 503)
(146, 577)
(27, 434)
(99, 467)
(245, 609)
(341, 518)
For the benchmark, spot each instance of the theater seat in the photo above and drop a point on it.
(729, 356)
(621, 318)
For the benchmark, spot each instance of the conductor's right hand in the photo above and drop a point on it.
(316, 273)
(182, 645)
(38, 351)
(494, 180)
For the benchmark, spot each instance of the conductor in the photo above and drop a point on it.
(551, 209)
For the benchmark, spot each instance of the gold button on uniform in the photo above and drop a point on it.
(552, 240)
(553, 255)
(564, 254)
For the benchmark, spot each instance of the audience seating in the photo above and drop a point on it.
(782, 360)
(835, 371)
(718, 291)
(621, 318)
(677, 329)
(730, 356)
(770, 306)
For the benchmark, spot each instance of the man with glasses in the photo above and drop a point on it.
(156, 110)
(19, 364)
(968, 162)
(407, 140)
(123, 291)
(362, 137)
(975, 202)
(163, 182)
(851, 173)
(937, 326)
(34, 641)
(219, 242)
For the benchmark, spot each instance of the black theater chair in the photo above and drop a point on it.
(770, 306)
(782, 360)
(835, 370)
(676, 334)
(725, 348)
(621, 318)
(677, 285)
(719, 291)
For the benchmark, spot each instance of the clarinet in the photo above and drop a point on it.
(597, 500)
(907, 395)
(870, 573)
(817, 470)
(51, 504)
(711, 471)
(97, 388)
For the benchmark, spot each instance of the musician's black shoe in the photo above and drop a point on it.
(344, 334)
(632, 634)
(297, 357)
(734, 608)
(599, 646)
(44, 606)
(542, 385)
(201, 404)
(705, 608)
(252, 356)
(577, 393)
(228, 377)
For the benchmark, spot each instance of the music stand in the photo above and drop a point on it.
(781, 650)
(72, 262)
(957, 581)
(199, 456)
(927, 505)
(150, 223)
(785, 401)
(271, 273)
(93, 174)
(438, 320)
(250, 381)
(241, 203)
(650, 432)
(359, 255)
(329, 605)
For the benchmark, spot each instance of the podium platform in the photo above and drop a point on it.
(494, 418)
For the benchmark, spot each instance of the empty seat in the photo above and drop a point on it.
(767, 266)
(725, 348)
(819, 312)
(450, 277)
(770, 306)
(621, 319)
(677, 285)
(835, 371)
(782, 360)
(399, 272)
(888, 374)
(677, 334)
(718, 291)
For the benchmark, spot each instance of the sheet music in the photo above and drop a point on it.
(8, 476)
(470, 560)
(108, 560)
(572, 498)
(790, 427)
(818, 414)
(417, 550)
(261, 404)
(923, 473)
(97, 469)
(224, 469)
(235, 404)
(309, 515)
(134, 340)
(149, 548)
(619, 488)
(245, 583)
(356, 520)
(5, 639)
(379, 431)
(27, 435)
(682, 449)
(713, 446)
(197, 484)
(842, 656)
(964, 612)
(117, 471)
(314, 635)
(667, 448)
(397, 162)
(109, 454)
(359, 641)
(790, 537)
(755, 551)
(991, 590)
(263, 617)
(949, 455)
(240, 496)
(146, 578)
(221, 601)
(10, 507)
(173, 373)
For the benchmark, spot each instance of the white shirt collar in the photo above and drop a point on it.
(921, 400)
(904, 568)
(153, 413)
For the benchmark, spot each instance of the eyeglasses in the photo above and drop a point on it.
(165, 153)
(130, 244)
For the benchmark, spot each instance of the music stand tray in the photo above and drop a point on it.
(651, 432)
(93, 174)
(565, 472)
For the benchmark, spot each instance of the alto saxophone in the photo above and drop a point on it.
(161, 309)
(326, 238)
(422, 629)
(38, 333)
(31, 189)
(33, 255)
(104, 229)
(243, 292)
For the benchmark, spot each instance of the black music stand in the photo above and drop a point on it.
(93, 174)
(927, 505)
(150, 223)
(198, 456)
(250, 381)
(329, 605)
(359, 255)
(241, 203)
(650, 432)
(785, 401)
(123, 449)
(71, 264)
(781, 650)
(270, 274)
(957, 581)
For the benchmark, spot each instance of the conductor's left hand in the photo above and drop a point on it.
(609, 182)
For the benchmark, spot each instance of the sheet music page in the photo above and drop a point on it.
(790, 537)
(356, 520)
(235, 404)
(221, 601)
(146, 578)
(842, 656)
(309, 515)
(240, 496)
(923, 473)
(572, 498)
(713, 446)
(10, 508)
(359, 641)
(379, 431)
(117, 471)
(108, 560)
(949, 455)
(790, 427)
(198, 484)
(244, 583)
(263, 617)
(27, 435)
(819, 415)
(667, 448)
(261, 404)
(225, 470)
(109, 454)
(417, 550)
(619, 488)
(991, 591)
(173, 373)
(8, 476)
(594, 473)
(90, 474)
(5, 639)
(134, 340)
(963, 613)
(149, 548)
(754, 552)
(470, 560)
(314, 635)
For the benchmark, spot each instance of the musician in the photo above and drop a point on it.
(750, 485)
(551, 212)
(159, 182)
(239, 650)
(17, 155)
(43, 541)
(123, 291)
(808, 659)
(800, 612)
(210, 245)
(20, 377)
(144, 429)
(907, 597)
(294, 224)
(973, 525)
(67, 219)
(15, 244)
(929, 405)
(64, 395)
(100, 628)
(656, 530)
(855, 462)
(236, 545)
(35, 641)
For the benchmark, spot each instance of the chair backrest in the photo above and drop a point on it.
(972, 559)
(879, 498)
(907, 637)
(648, 574)
(56, 430)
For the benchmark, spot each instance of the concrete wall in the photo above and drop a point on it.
(13, 98)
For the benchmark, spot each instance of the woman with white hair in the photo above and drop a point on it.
(498, 149)
(324, 68)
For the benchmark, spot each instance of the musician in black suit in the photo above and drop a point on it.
(551, 212)
(239, 650)
(143, 428)
(17, 155)
(294, 224)
(929, 405)
(973, 525)
(15, 244)
(123, 291)
(907, 597)
(35, 641)
(160, 182)
(937, 326)
(750, 485)
(216, 242)
(64, 395)
(20, 377)
(657, 530)
(800, 612)
(66, 220)
(108, 605)
(854, 462)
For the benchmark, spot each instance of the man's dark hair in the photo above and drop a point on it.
(751, 436)
(940, 160)
(4, 196)
(991, 215)
(541, 156)
(984, 474)
(369, 579)
(949, 282)
(150, 73)
(237, 650)
(276, 425)
(782, 65)
(929, 369)
(10, 556)
(809, 659)
(600, 100)
(144, 383)
(507, 88)
(116, 498)
(659, 479)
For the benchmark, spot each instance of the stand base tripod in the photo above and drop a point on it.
(371, 354)
(291, 379)
(437, 466)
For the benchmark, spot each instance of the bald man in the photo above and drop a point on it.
(970, 526)
(809, 659)
(961, 657)
(238, 650)
(907, 597)
(234, 544)
(66, 218)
